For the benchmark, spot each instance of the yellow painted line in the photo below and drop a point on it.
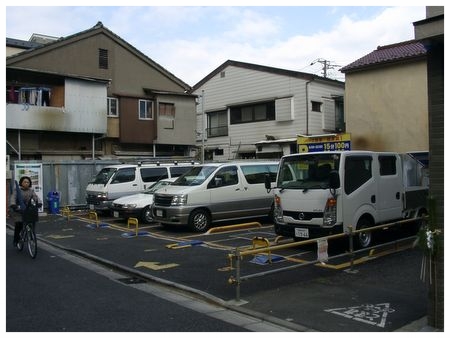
(227, 228)
(60, 236)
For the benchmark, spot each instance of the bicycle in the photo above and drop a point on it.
(28, 237)
(27, 233)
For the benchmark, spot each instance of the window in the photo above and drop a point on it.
(178, 171)
(113, 107)
(124, 175)
(256, 173)
(154, 174)
(316, 106)
(102, 58)
(145, 110)
(253, 113)
(224, 177)
(167, 109)
(387, 165)
(217, 123)
(358, 170)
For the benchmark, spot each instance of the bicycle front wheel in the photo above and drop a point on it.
(21, 241)
(31, 242)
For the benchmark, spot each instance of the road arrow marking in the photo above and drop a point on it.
(155, 265)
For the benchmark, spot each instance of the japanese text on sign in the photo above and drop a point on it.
(338, 142)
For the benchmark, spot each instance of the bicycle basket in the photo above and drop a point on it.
(30, 214)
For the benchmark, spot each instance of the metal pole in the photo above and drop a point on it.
(93, 147)
(238, 275)
(352, 255)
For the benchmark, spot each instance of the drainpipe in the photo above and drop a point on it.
(307, 106)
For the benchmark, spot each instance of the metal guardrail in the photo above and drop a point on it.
(237, 256)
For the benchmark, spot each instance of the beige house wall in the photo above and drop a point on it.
(386, 108)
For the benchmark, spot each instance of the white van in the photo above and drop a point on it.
(216, 192)
(120, 180)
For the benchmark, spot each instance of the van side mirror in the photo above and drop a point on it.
(334, 180)
(267, 182)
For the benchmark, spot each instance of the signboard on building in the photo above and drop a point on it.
(34, 172)
(328, 142)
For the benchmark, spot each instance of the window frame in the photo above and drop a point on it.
(146, 102)
(222, 130)
(248, 113)
(108, 105)
(163, 112)
(314, 107)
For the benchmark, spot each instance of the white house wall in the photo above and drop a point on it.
(84, 111)
(85, 107)
(237, 85)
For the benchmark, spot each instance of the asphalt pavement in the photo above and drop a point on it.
(383, 294)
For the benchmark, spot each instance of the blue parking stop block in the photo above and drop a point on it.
(133, 234)
(264, 259)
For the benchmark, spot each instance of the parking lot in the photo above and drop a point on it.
(377, 290)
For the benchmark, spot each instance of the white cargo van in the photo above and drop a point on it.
(216, 192)
(323, 193)
(116, 181)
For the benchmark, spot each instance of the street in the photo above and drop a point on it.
(57, 292)
(382, 292)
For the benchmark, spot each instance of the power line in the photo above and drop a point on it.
(326, 65)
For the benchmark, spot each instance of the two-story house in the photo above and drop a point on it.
(252, 111)
(386, 98)
(92, 94)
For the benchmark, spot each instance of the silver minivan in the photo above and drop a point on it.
(216, 192)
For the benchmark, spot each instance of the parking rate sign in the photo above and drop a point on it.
(332, 142)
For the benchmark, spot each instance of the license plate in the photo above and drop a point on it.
(159, 213)
(116, 214)
(91, 207)
(301, 232)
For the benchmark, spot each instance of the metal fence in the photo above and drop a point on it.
(237, 261)
(69, 179)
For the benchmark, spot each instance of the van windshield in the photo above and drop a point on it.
(195, 176)
(103, 176)
(307, 171)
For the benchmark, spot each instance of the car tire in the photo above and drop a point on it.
(199, 220)
(364, 239)
(146, 215)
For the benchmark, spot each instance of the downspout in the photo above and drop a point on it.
(307, 105)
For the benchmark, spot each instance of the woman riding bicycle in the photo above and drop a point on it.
(21, 196)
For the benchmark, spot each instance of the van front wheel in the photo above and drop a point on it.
(364, 239)
(199, 220)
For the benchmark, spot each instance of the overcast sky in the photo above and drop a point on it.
(191, 41)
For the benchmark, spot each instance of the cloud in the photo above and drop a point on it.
(190, 41)
(349, 39)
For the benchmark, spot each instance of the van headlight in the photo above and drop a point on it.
(179, 200)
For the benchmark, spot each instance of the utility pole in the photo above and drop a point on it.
(326, 64)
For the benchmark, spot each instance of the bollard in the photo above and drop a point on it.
(66, 212)
(93, 215)
(135, 222)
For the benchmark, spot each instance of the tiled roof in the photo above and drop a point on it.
(10, 42)
(387, 54)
